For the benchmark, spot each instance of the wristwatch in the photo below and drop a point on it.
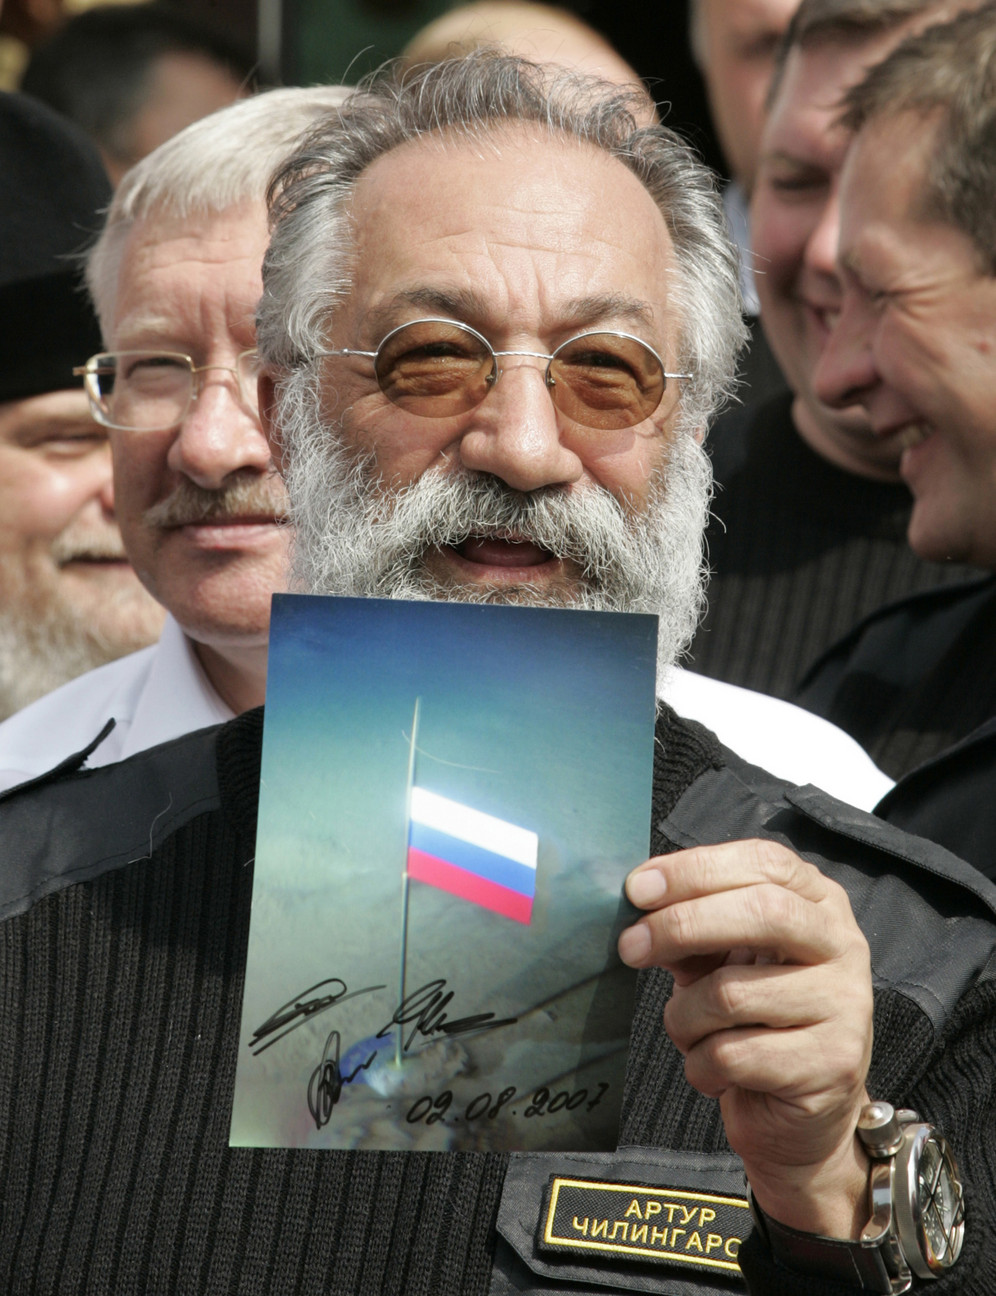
(917, 1223)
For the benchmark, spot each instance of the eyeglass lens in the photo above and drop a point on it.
(600, 380)
(153, 390)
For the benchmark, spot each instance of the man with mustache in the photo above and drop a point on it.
(496, 317)
(175, 279)
(69, 599)
(175, 274)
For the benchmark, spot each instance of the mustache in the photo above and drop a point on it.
(247, 495)
(88, 543)
(585, 528)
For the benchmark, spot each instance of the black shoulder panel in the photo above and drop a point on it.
(68, 829)
(929, 918)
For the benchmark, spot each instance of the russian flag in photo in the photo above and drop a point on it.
(472, 855)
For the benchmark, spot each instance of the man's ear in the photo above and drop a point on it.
(266, 397)
(700, 433)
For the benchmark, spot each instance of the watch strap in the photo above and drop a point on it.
(824, 1257)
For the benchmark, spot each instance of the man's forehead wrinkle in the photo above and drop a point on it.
(467, 304)
(165, 302)
(234, 315)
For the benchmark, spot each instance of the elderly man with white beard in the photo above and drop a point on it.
(69, 599)
(495, 315)
(175, 276)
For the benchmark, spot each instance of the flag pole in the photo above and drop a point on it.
(404, 877)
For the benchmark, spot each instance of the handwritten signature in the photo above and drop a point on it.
(424, 1010)
(326, 1082)
(295, 1012)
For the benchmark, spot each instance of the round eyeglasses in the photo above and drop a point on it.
(436, 368)
(151, 391)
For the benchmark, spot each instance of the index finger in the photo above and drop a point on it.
(726, 866)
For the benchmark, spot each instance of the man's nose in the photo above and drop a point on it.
(105, 490)
(845, 372)
(821, 246)
(219, 435)
(515, 433)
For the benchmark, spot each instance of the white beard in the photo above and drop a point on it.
(355, 536)
(46, 641)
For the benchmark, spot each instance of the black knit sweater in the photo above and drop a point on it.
(800, 551)
(120, 994)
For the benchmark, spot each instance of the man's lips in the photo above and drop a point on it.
(498, 551)
(227, 534)
(96, 560)
(214, 522)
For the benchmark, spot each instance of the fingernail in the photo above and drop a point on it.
(647, 888)
(634, 945)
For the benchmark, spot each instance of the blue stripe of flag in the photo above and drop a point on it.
(475, 859)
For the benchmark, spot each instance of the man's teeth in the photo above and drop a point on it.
(913, 434)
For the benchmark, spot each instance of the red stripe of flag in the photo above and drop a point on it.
(468, 886)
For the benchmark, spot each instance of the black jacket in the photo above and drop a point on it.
(126, 893)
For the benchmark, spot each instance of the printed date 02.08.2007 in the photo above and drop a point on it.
(432, 1110)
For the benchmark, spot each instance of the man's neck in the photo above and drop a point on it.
(237, 674)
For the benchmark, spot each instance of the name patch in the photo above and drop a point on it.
(640, 1223)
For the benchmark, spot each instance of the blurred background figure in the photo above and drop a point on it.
(543, 33)
(734, 43)
(69, 599)
(131, 76)
(809, 522)
(340, 40)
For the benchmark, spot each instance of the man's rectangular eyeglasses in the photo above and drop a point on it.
(151, 391)
(436, 368)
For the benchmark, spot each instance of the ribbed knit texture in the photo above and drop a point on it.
(800, 551)
(121, 1047)
(120, 1004)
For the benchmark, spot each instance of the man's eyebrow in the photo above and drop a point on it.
(786, 157)
(144, 325)
(604, 306)
(467, 305)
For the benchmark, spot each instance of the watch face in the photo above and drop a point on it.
(940, 1203)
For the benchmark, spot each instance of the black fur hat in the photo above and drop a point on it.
(53, 190)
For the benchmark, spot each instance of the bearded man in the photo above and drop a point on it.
(496, 315)
(69, 599)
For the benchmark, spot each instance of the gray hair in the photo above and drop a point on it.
(949, 70)
(307, 270)
(218, 162)
(842, 22)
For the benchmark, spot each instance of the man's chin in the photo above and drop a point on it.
(111, 606)
(54, 629)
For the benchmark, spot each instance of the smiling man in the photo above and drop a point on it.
(69, 599)
(808, 533)
(175, 277)
(497, 315)
(916, 346)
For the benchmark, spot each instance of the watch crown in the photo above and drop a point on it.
(880, 1130)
